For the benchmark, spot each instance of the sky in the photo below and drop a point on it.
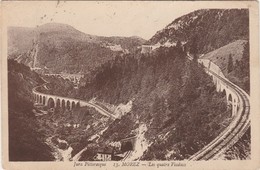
(116, 18)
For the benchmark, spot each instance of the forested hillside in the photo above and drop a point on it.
(221, 34)
(172, 96)
(25, 137)
(30, 135)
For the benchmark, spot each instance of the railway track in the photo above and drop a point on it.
(238, 126)
(127, 155)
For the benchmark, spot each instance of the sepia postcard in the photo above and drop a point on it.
(130, 85)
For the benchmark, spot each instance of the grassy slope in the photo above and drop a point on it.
(240, 55)
(220, 55)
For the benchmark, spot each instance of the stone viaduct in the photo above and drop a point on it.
(222, 84)
(54, 101)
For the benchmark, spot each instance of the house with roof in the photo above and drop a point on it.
(105, 154)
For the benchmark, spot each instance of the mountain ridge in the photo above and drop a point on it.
(210, 29)
(66, 47)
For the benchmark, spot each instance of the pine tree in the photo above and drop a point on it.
(179, 45)
(245, 60)
(194, 49)
(230, 64)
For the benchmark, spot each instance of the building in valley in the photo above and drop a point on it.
(105, 154)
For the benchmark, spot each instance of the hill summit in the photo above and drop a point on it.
(211, 29)
(55, 47)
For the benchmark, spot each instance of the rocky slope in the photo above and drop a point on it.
(210, 29)
(58, 48)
